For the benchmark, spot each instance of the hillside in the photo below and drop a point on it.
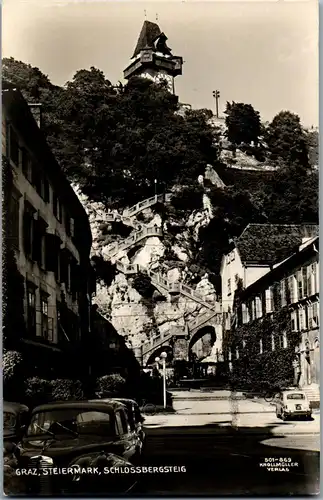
(166, 191)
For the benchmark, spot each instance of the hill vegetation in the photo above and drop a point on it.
(120, 143)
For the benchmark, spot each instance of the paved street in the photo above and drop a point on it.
(222, 444)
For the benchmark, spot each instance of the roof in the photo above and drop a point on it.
(149, 32)
(267, 244)
(97, 404)
(278, 272)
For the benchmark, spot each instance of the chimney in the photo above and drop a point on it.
(36, 110)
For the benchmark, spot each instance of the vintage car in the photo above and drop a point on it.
(15, 421)
(292, 403)
(134, 416)
(89, 434)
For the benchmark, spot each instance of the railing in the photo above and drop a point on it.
(200, 320)
(134, 238)
(169, 286)
(142, 205)
(162, 339)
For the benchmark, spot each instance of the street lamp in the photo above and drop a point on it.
(216, 96)
(163, 357)
(155, 182)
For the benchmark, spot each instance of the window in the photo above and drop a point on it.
(31, 309)
(302, 319)
(14, 147)
(57, 207)
(273, 346)
(282, 340)
(121, 424)
(72, 227)
(253, 310)
(28, 229)
(67, 224)
(314, 273)
(300, 288)
(293, 319)
(316, 315)
(25, 164)
(44, 315)
(13, 219)
(283, 293)
(229, 286)
(269, 300)
(36, 178)
(245, 314)
(258, 306)
(313, 315)
(292, 289)
(304, 273)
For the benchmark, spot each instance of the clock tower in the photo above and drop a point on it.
(153, 59)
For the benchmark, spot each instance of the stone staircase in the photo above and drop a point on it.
(191, 328)
(160, 340)
(163, 285)
(132, 240)
(149, 202)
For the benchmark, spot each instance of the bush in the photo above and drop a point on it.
(65, 389)
(38, 390)
(11, 362)
(190, 198)
(110, 385)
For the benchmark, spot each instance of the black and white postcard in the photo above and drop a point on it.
(160, 248)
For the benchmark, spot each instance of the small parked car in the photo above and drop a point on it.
(15, 420)
(135, 418)
(83, 433)
(293, 403)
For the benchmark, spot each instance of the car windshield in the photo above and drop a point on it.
(9, 419)
(73, 421)
(296, 395)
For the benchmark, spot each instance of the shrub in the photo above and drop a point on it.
(38, 390)
(11, 362)
(142, 284)
(110, 385)
(65, 389)
(190, 198)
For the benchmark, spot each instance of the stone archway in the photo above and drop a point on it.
(202, 341)
(150, 359)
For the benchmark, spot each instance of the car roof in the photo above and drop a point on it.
(93, 404)
(10, 406)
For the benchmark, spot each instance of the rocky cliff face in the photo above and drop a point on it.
(164, 257)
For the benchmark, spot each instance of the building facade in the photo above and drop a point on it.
(49, 234)
(274, 331)
(255, 251)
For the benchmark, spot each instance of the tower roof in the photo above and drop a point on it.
(149, 32)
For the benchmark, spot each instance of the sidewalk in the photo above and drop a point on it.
(213, 406)
(224, 424)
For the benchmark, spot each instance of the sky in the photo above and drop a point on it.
(263, 53)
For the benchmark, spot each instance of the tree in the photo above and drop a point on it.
(286, 140)
(243, 123)
(36, 87)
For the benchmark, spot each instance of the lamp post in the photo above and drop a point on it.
(155, 182)
(216, 96)
(163, 357)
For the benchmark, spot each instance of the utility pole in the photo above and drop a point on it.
(216, 95)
